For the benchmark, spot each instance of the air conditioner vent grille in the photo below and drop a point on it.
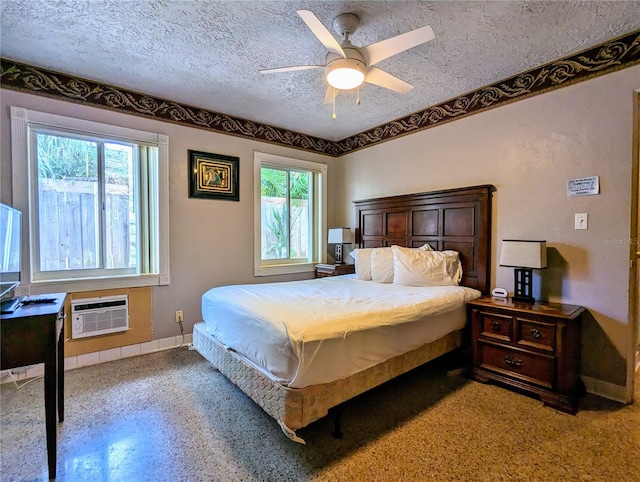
(99, 316)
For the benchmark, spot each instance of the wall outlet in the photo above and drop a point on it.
(179, 316)
(582, 221)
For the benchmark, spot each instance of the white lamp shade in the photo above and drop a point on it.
(340, 236)
(524, 254)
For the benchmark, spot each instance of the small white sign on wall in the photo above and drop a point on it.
(583, 186)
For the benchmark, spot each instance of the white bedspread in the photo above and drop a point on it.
(303, 333)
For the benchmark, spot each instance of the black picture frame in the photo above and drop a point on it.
(214, 176)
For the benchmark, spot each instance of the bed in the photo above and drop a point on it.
(301, 348)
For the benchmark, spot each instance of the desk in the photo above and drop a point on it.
(34, 334)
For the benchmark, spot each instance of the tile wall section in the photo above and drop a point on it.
(103, 356)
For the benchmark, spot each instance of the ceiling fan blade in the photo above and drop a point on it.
(384, 79)
(321, 32)
(378, 51)
(291, 69)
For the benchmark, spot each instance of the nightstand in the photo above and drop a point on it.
(534, 347)
(323, 270)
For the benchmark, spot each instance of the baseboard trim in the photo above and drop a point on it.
(72, 362)
(617, 393)
(594, 386)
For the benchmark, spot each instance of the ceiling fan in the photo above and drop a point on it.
(347, 66)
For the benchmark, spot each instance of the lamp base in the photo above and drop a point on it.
(338, 256)
(524, 299)
(522, 290)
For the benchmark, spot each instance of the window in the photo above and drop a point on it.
(96, 201)
(290, 214)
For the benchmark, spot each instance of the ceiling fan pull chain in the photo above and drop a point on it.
(334, 102)
(358, 97)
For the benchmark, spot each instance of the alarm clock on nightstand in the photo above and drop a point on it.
(499, 293)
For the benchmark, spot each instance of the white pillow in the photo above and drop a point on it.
(362, 261)
(382, 265)
(414, 267)
(362, 258)
(454, 266)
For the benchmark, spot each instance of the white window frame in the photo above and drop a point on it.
(319, 215)
(23, 185)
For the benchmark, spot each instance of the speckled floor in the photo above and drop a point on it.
(170, 416)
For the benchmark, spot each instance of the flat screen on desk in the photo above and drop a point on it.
(10, 248)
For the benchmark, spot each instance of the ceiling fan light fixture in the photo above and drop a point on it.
(345, 74)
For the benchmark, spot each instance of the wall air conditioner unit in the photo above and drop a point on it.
(99, 316)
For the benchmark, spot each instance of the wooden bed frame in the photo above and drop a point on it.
(457, 219)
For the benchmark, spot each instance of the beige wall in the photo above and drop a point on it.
(211, 242)
(529, 150)
(140, 314)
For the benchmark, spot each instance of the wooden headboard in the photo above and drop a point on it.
(456, 219)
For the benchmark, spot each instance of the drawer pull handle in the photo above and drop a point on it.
(513, 362)
(535, 333)
(496, 325)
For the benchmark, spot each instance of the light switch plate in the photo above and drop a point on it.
(582, 221)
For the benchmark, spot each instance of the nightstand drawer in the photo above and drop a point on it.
(496, 326)
(541, 336)
(538, 369)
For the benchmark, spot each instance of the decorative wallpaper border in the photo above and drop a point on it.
(601, 59)
(48, 83)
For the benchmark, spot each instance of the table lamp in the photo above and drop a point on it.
(339, 236)
(524, 256)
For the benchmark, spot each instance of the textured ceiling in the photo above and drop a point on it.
(208, 53)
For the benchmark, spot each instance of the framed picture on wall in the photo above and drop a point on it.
(213, 176)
